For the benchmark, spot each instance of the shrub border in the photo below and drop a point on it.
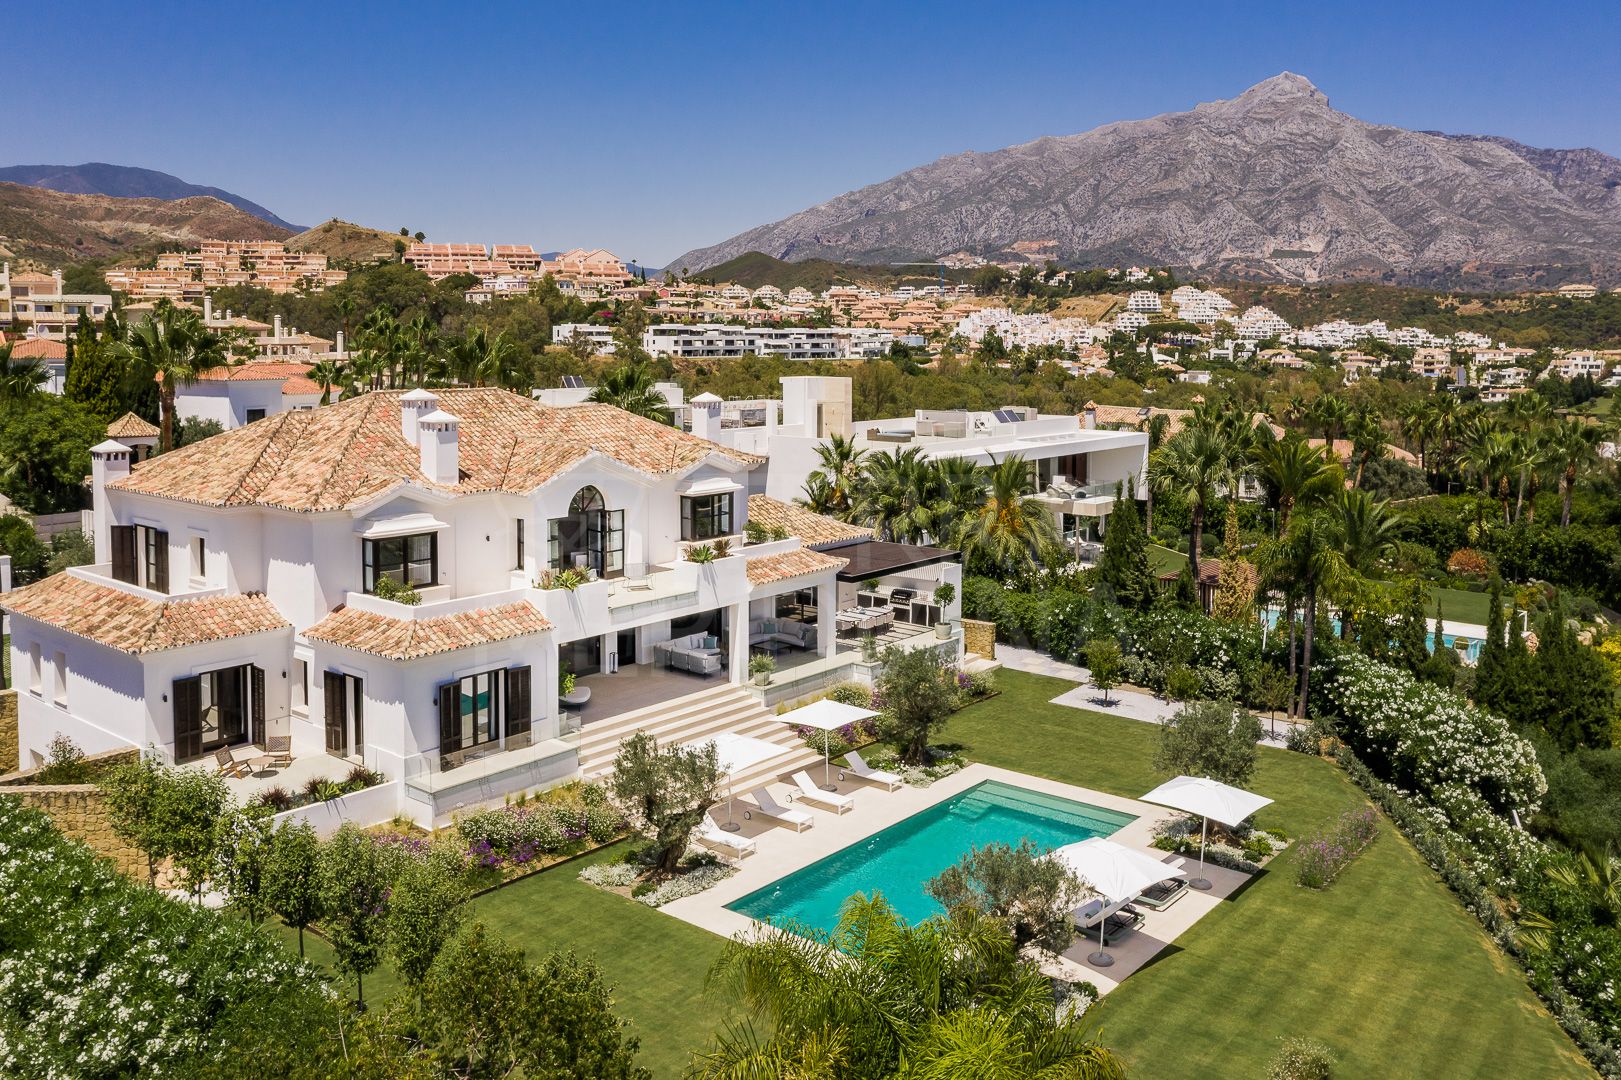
(1482, 903)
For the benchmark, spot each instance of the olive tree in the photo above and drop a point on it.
(918, 695)
(1035, 896)
(1215, 739)
(665, 792)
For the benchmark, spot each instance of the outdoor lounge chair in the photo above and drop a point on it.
(809, 792)
(714, 836)
(862, 771)
(1094, 911)
(1163, 894)
(229, 766)
(767, 807)
(280, 749)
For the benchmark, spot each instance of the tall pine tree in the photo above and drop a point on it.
(1571, 690)
(1492, 668)
(1411, 647)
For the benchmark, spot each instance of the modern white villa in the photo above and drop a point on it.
(238, 599)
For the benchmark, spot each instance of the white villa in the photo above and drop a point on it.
(235, 600)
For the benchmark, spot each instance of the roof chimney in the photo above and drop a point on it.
(338, 345)
(414, 405)
(706, 416)
(109, 461)
(278, 327)
(208, 309)
(1089, 415)
(437, 439)
(56, 276)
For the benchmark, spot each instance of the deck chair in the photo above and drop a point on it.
(767, 807)
(807, 791)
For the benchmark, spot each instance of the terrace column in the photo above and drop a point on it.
(827, 628)
(738, 658)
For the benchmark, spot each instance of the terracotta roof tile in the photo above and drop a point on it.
(136, 624)
(130, 426)
(38, 348)
(816, 530)
(344, 454)
(765, 569)
(255, 371)
(408, 639)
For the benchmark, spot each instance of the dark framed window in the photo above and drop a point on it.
(518, 538)
(704, 517)
(409, 560)
(470, 710)
(255, 414)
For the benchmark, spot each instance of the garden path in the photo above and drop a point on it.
(1131, 704)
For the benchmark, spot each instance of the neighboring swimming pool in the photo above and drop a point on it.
(1469, 646)
(901, 859)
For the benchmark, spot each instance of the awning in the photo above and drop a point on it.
(400, 525)
(878, 558)
(715, 485)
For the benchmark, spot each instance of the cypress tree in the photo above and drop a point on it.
(1124, 564)
(1492, 667)
(1569, 688)
(1411, 648)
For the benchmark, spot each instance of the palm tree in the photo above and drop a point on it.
(1296, 473)
(1529, 455)
(20, 377)
(1158, 424)
(1196, 464)
(1490, 456)
(1011, 529)
(328, 373)
(897, 495)
(630, 387)
(1366, 534)
(817, 495)
(841, 468)
(1331, 415)
(1367, 440)
(174, 347)
(948, 997)
(1310, 555)
(1570, 445)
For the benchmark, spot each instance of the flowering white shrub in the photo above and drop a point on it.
(100, 976)
(1424, 739)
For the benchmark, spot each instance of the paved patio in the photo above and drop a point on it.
(781, 851)
(291, 778)
(636, 686)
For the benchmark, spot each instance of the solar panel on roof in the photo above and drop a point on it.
(573, 382)
(1007, 416)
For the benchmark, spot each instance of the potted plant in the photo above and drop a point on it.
(944, 594)
(701, 553)
(761, 668)
(869, 588)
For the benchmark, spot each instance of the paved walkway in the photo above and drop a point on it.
(1132, 704)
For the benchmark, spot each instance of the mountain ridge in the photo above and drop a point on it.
(54, 226)
(1274, 184)
(129, 182)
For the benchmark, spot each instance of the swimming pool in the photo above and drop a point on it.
(901, 859)
(1469, 646)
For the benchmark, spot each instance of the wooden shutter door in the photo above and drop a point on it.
(123, 542)
(450, 728)
(188, 718)
(332, 699)
(256, 708)
(160, 564)
(518, 719)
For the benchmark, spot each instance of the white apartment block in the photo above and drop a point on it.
(237, 597)
(1144, 301)
(1259, 323)
(719, 340)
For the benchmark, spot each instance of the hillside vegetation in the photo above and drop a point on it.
(55, 227)
(343, 240)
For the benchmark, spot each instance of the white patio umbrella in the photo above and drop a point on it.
(1209, 799)
(825, 716)
(737, 754)
(1118, 874)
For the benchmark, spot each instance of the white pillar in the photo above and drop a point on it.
(738, 657)
(827, 603)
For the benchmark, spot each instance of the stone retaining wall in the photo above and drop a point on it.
(979, 637)
(80, 811)
(8, 730)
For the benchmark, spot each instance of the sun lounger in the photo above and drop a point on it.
(713, 835)
(1094, 911)
(1162, 895)
(862, 771)
(767, 807)
(809, 792)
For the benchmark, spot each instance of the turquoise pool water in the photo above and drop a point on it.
(901, 859)
(1471, 646)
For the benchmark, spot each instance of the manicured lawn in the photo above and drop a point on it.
(1459, 606)
(1162, 560)
(656, 964)
(1385, 966)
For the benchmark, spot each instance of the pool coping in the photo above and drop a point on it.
(780, 851)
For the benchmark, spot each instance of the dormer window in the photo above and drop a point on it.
(141, 556)
(406, 560)
(704, 517)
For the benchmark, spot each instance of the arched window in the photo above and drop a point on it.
(590, 536)
(587, 498)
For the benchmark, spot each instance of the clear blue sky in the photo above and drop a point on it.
(652, 129)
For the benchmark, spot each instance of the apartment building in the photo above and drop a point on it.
(35, 304)
(264, 264)
(1144, 301)
(238, 592)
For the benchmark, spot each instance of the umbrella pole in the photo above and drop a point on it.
(827, 762)
(1101, 958)
(1201, 882)
(731, 825)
